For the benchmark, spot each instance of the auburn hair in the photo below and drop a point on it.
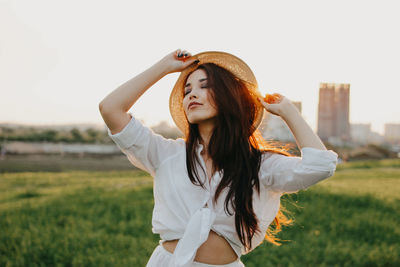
(236, 148)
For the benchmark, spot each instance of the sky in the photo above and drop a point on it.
(59, 59)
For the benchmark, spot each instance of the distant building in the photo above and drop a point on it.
(361, 134)
(333, 112)
(392, 132)
(376, 138)
(273, 127)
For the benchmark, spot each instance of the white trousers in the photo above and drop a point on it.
(161, 258)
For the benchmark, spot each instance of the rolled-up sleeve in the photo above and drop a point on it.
(145, 149)
(290, 174)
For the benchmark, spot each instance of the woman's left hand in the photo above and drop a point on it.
(279, 107)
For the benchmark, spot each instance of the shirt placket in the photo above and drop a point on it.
(197, 229)
(209, 186)
(196, 233)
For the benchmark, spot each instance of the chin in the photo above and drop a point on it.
(195, 119)
(198, 120)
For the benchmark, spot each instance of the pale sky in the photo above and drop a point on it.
(59, 59)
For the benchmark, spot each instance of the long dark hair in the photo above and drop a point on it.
(231, 148)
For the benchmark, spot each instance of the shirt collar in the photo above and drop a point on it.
(199, 147)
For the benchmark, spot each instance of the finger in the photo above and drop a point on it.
(191, 61)
(280, 98)
(181, 55)
(262, 102)
(188, 56)
(268, 107)
(185, 54)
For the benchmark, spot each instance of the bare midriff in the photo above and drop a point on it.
(215, 250)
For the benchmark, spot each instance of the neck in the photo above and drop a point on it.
(205, 129)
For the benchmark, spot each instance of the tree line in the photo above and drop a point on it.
(74, 135)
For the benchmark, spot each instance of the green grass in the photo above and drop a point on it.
(96, 218)
(58, 163)
(369, 164)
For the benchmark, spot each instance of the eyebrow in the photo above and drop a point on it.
(204, 79)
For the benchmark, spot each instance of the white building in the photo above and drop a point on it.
(360, 132)
(376, 138)
(392, 132)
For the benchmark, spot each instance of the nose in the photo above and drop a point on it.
(192, 94)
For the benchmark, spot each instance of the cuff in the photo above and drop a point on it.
(126, 137)
(319, 159)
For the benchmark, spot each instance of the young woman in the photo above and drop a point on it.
(218, 188)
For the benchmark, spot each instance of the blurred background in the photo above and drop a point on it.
(70, 197)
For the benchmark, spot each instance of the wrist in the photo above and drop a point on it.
(162, 67)
(290, 112)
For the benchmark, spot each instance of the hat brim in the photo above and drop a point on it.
(225, 60)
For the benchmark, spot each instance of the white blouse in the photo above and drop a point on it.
(185, 211)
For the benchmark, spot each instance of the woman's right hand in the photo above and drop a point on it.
(177, 61)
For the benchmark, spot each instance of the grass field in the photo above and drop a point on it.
(103, 218)
(57, 163)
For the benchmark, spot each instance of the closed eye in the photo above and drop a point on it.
(188, 91)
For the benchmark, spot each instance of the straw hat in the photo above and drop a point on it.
(225, 60)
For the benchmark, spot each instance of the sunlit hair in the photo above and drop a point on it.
(236, 148)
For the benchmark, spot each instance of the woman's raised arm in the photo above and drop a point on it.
(302, 132)
(114, 106)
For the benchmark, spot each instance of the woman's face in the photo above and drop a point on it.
(197, 90)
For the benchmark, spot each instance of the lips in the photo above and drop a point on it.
(194, 105)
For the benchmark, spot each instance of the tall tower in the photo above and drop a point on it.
(333, 111)
(326, 111)
(342, 96)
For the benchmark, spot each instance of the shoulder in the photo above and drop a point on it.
(179, 144)
(180, 141)
(177, 147)
(270, 160)
(274, 154)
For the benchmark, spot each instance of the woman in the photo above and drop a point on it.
(218, 188)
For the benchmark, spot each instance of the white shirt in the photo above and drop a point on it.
(185, 211)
